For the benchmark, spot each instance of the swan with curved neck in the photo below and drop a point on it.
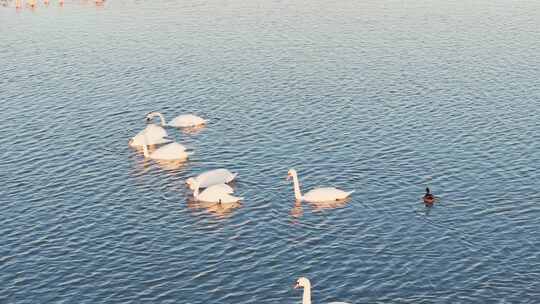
(212, 177)
(170, 152)
(220, 193)
(318, 195)
(181, 121)
(151, 135)
(303, 282)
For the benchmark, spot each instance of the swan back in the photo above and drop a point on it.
(220, 188)
(172, 151)
(151, 135)
(220, 193)
(187, 120)
(328, 194)
(212, 177)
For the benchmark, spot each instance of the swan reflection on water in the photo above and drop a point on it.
(217, 209)
(194, 130)
(297, 210)
(174, 165)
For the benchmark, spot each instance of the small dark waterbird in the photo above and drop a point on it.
(428, 197)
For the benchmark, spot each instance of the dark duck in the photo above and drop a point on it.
(428, 197)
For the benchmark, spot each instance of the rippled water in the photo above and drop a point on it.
(375, 96)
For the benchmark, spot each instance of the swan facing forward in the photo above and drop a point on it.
(212, 177)
(181, 121)
(303, 282)
(220, 193)
(151, 135)
(172, 151)
(318, 195)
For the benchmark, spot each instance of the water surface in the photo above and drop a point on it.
(375, 96)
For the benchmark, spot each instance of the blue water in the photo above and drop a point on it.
(381, 97)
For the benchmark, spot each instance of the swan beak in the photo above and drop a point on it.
(296, 286)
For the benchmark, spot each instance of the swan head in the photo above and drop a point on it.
(302, 282)
(291, 174)
(190, 182)
(149, 116)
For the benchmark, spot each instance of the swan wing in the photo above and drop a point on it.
(172, 151)
(187, 120)
(151, 135)
(223, 188)
(212, 177)
(325, 195)
(217, 195)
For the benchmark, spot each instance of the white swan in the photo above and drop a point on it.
(219, 193)
(172, 151)
(303, 282)
(318, 195)
(181, 121)
(212, 177)
(151, 135)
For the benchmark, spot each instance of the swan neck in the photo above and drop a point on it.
(306, 298)
(297, 193)
(145, 150)
(163, 122)
(145, 147)
(196, 190)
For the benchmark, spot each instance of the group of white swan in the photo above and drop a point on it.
(215, 181)
(154, 135)
(180, 121)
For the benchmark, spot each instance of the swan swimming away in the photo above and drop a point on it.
(151, 135)
(172, 151)
(220, 193)
(318, 195)
(212, 177)
(181, 121)
(303, 282)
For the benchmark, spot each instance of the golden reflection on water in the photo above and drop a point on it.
(297, 211)
(194, 130)
(329, 205)
(216, 209)
(171, 165)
